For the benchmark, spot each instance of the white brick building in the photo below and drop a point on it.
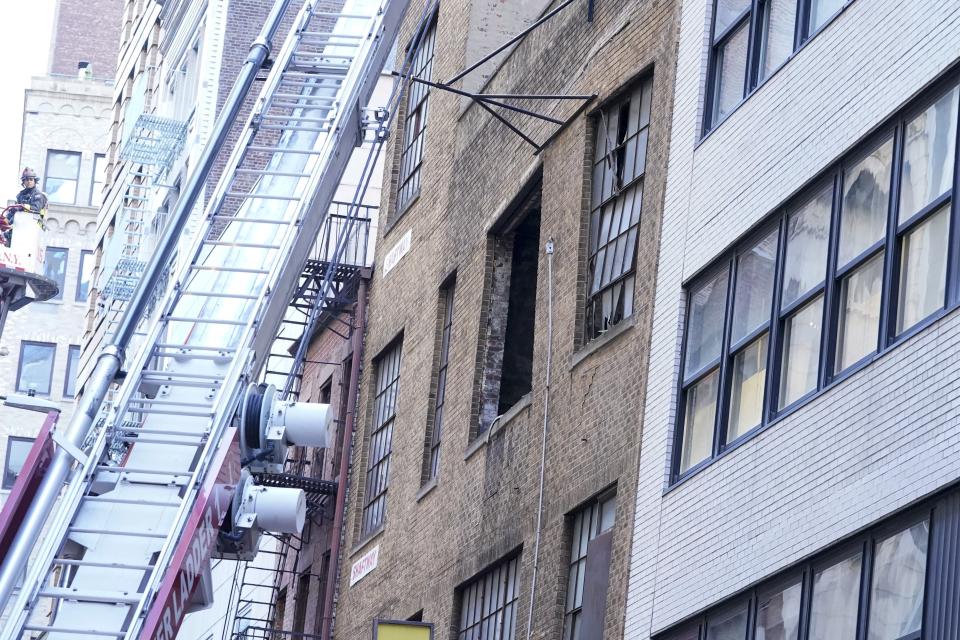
(854, 433)
(64, 138)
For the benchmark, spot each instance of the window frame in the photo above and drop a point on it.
(371, 520)
(503, 566)
(621, 190)
(435, 427)
(85, 254)
(864, 543)
(753, 17)
(6, 460)
(597, 503)
(94, 181)
(66, 267)
(71, 349)
(75, 179)
(889, 246)
(409, 168)
(53, 364)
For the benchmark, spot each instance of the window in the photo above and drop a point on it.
(55, 268)
(17, 451)
(98, 179)
(35, 371)
(618, 169)
(301, 603)
(415, 120)
(836, 593)
(831, 593)
(381, 440)
(588, 523)
(488, 604)
(852, 265)
(508, 334)
(750, 39)
(436, 431)
(73, 368)
(84, 276)
(62, 176)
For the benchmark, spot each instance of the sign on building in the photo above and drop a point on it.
(402, 630)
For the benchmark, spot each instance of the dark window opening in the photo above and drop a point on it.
(302, 599)
(511, 312)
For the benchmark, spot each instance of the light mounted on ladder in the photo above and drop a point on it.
(256, 509)
(269, 426)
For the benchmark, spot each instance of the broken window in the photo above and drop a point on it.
(511, 311)
(619, 164)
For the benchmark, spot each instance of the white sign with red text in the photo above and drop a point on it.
(364, 565)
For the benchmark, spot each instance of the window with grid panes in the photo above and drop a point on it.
(620, 160)
(588, 523)
(415, 120)
(874, 582)
(436, 433)
(751, 39)
(381, 439)
(856, 262)
(488, 604)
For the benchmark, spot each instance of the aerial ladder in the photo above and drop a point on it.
(92, 547)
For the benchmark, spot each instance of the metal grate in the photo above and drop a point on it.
(155, 141)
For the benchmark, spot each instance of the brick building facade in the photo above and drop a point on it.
(447, 453)
(86, 31)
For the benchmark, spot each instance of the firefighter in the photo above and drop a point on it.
(29, 199)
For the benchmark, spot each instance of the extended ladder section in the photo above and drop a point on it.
(108, 545)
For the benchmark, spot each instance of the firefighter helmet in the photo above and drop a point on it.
(28, 173)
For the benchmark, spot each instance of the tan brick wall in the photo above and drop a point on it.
(485, 504)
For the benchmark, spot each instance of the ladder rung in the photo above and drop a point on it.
(284, 127)
(143, 470)
(172, 443)
(110, 597)
(164, 432)
(254, 196)
(237, 323)
(292, 105)
(329, 34)
(171, 403)
(217, 294)
(169, 412)
(107, 565)
(293, 119)
(168, 345)
(108, 499)
(320, 57)
(306, 98)
(73, 630)
(181, 374)
(248, 245)
(278, 150)
(207, 267)
(316, 72)
(200, 384)
(235, 219)
(260, 172)
(187, 356)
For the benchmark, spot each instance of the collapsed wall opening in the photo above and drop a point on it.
(508, 337)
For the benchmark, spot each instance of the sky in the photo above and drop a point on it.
(28, 27)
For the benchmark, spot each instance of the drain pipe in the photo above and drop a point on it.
(337, 533)
(546, 424)
(111, 358)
